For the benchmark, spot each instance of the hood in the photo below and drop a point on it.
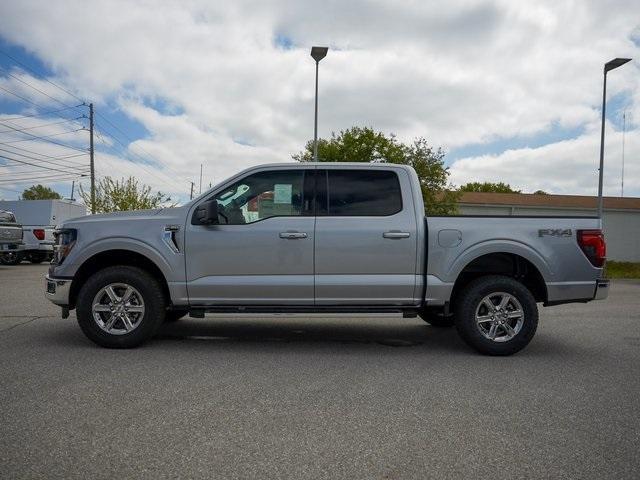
(134, 215)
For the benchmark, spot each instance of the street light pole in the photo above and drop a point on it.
(615, 63)
(317, 53)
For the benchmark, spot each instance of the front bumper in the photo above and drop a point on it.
(602, 289)
(57, 290)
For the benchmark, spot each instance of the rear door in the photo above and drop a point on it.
(365, 237)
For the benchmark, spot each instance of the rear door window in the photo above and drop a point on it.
(371, 193)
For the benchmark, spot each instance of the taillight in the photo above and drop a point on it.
(38, 233)
(593, 245)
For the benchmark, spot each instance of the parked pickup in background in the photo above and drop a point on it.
(10, 235)
(39, 218)
(323, 238)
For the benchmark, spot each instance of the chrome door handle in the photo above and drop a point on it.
(293, 235)
(396, 234)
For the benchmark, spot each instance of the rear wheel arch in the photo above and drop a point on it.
(503, 263)
(115, 257)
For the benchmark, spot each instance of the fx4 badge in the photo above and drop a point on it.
(554, 232)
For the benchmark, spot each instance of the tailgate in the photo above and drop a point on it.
(10, 233)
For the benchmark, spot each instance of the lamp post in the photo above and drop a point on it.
(610, 65)
(317, 53)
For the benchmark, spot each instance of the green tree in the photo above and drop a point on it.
(124, 194)
(363, 144)
(488, 187)
(540, 192)
(40, 192)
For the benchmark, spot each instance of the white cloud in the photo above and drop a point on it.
(458, 73)
(568, 166)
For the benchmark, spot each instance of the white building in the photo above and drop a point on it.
(621, 218)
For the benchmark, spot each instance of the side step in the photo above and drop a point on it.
(199, 312)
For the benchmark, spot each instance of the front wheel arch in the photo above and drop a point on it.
(110, 258)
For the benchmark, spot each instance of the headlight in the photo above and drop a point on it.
(65, 240)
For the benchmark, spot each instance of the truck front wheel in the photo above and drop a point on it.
(496, 315)
(120, 307)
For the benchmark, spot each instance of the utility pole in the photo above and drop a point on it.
(191, 195)
(624, 129)
(93, 172)
(73, 187)
(200, 178)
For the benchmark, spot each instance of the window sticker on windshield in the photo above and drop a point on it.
(282, 193)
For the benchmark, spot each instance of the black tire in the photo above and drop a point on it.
(37, 257)
(468, 301)
(436, 318)
(152, 295)
(174, 315)
(11, 258)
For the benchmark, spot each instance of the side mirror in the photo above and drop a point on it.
(207, 213)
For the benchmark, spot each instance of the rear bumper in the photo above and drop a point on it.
(602, 289)
(10, 247)
(41, 247)
(57, 290)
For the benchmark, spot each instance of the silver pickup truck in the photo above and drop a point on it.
(336, 237)
(10, 236)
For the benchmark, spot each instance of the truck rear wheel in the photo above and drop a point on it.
(11, 258)
(496, 315)
(120, 307)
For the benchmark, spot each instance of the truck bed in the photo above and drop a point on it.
(549, 243)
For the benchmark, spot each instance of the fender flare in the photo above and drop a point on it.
(123, 243)
(499, 246)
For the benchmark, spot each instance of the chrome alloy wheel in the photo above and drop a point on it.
(118, 308)
(499, 316)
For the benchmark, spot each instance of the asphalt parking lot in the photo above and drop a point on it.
(317, 397)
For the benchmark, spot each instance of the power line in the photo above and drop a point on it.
(36, 153)
(38, 174)
(21, 97)
(60, 157)
(45, 79)
(43, 125)
(22, 162)
(44, 114)
(57, 161)
(131, 140)
(44, 139)
(50, 179)
(140, 165)
(34, 88)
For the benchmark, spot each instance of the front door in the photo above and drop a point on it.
(365, 237)
(261, 252)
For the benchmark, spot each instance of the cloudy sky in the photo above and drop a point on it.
(511, 90)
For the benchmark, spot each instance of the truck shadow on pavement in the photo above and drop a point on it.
(402, 334)
(392, 333)
(316, 334)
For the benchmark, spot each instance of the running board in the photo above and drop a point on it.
(198, 312)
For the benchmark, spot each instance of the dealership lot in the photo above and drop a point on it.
(320, 397)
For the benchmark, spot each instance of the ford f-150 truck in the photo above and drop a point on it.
(325, 237)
